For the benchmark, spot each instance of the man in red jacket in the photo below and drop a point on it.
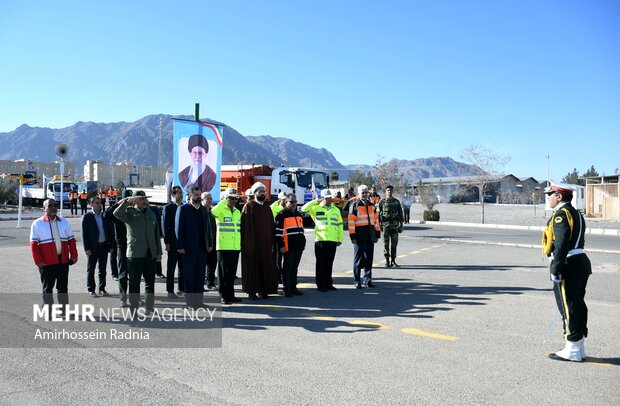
(53, 249)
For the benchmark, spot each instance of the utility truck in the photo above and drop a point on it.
(35, 195)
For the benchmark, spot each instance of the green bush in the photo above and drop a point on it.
(431, 215)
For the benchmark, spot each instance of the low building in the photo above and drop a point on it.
(602, 197)
(127, 173)
(37, 169)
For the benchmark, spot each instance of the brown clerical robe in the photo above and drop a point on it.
(258, 274)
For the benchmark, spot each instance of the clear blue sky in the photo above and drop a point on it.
(403, 79)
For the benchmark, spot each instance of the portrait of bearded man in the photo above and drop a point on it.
(198, 173)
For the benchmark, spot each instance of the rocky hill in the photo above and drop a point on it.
(138, 142)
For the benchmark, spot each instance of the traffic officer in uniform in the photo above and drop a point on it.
(83, 202)
(73, 200)
(563, 243)
(328, 235)
(391, 217)
(228, 244)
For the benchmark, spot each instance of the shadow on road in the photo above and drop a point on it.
(351, 310)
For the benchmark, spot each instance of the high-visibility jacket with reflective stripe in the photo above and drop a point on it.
(290, 231)
(363, 221)
(327, 222)
(276, 208)
(228, 227)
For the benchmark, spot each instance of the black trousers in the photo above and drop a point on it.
(278, 262)
(194, 272)
(55, 275)
(73, 205)
(84, 206)
(325, 252)
(137, 268)
(363, 252)
(290, 267)
(174, 259)
(406, 211)
(570, 294)
(227, 261)
(121, 253)
(99, 257)
(114, 261)
(211, 266)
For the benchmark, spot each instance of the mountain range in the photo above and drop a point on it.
(138, 142)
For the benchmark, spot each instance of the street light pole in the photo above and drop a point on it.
(548, 171)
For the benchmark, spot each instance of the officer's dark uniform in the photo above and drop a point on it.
(73, 200)
(83, 202)
(563, 242)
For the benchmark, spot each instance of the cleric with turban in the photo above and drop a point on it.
(198, 173)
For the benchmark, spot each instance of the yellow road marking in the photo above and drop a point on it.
(364, 323)
(272, 307)
(414, 252)
(305, 285)
(402, 256)
(420, 332)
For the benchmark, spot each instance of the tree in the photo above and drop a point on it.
(427, 197)
(572, 177)
(333, 176)
(486, 165)
(388, 173)
(359, 178)
(8, 190)
(591, 172)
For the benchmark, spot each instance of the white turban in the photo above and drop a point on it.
(256, 186)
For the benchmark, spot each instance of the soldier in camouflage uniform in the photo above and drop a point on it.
(391, 217)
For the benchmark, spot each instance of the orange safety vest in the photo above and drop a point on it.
(83, 196)
(74, 195)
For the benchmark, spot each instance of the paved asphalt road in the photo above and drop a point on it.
(463, 321)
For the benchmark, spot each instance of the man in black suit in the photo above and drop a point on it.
(170, 240)
(193, 237)
(98, 238)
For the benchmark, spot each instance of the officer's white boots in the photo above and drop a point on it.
(582, 347)
(572, 351)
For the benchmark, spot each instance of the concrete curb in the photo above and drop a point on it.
(594, 231)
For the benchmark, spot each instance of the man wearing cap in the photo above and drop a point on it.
(119, 252)
(207, 202)
(193, 238)
(143, 248)
(170, 242)
(198, 173)
(228, 244)
(328, 234)
(364, 231)
(563, 243)
(258, 273)
(391, 218)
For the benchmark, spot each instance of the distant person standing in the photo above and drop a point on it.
(103, 195)
(291, 242)
(143, 248)
(563, 243)
(373, 196)
(53, 249)
(73, 201)
(278, 258)
(407, 203)
(364, 230)
(391, 218)
(170, 242)
(83, 202)
(98, 237)
(207, 201)
(258, 274)
(328, 235)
